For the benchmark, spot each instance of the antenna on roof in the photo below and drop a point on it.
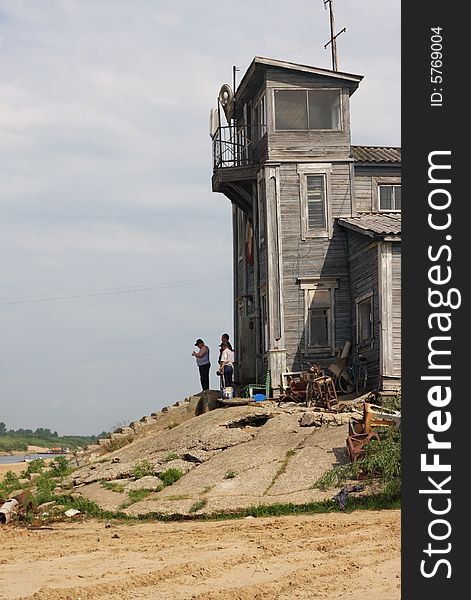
(333, 35)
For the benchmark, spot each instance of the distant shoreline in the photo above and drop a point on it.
(30, 450)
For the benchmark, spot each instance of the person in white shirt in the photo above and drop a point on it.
(226, 365)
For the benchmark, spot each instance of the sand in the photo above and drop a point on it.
(330, 556)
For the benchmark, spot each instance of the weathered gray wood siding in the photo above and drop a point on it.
(396, 306)
(306, 145)
(363, 252)
(313, 257)
(366, 184)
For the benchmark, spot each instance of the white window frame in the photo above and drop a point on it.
(307, 90)
(316, 169)
(358, 301)
(377, 183)
(310, 285)
(259, 117)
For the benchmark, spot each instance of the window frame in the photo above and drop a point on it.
(307, 90)
(309, 285)
(304, 171)
(368, 296)
(384, 181)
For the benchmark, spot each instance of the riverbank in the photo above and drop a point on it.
(31, 450)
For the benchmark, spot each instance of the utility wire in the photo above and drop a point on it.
(112, 292)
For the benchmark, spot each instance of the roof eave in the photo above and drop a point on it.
(268, 62)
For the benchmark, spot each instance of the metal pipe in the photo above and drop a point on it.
(7, 510)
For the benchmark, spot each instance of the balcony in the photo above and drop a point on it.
(238, 146)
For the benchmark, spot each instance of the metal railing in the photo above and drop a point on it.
(237, 146)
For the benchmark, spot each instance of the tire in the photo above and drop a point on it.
(345, 383)
(361, 381)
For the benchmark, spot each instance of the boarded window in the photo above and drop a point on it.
(389, 197)
(316, 213)
(307, 109)
(365, 319)
(319, 318)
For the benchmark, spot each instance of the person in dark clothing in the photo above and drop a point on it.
(202, 360)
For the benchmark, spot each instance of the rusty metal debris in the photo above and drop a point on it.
(361, 432)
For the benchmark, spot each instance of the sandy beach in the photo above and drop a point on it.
(328, 556)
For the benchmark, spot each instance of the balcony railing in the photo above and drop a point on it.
(237, 147)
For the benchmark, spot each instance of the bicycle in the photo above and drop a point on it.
(353, 377)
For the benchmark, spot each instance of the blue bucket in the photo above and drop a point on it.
(259, 397)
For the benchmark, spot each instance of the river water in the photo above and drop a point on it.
(9, 460)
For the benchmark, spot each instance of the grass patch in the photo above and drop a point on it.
(230, 475)
(177, 498)
(281, 469)
(113, 486)
(170, 476)
(382, 460)
(207, 489)
(117, 443)
(171, 456)
(198, 505)
(143, 468)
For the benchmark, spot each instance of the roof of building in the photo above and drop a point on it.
(376, 154)
(378, 225)
(260, 64)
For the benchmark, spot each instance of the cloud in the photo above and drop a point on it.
(105, 164)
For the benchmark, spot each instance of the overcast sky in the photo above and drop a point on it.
(115, 254)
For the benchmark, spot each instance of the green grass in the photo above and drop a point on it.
(171, 456)
(281, 469)
(143, 469)
(381, 461)
(112, 486)
(170, 476)
(198, 505)
(230, 475)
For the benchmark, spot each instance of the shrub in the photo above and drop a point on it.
(60, 467)
(35, 466)
(9, 484)
(170, 476)
(230, 475)
(143, 469)
(171, 456)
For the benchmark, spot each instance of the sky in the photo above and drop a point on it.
(115, 255)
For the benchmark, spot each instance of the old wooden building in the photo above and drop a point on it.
(316, 224)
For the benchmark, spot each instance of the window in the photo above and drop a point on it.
(260, 119)
(316, 209)
(307, 109)
(319, 331)
(389, 197)
(319, 315)
(314, 188)
(365, 319)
